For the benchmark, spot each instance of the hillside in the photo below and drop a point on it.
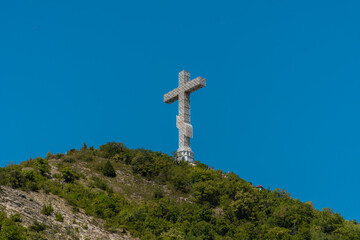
(118, 193)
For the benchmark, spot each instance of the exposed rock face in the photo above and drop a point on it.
(75, 225)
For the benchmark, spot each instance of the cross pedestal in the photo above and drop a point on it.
(182, 94)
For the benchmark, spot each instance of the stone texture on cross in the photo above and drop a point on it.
(182, 94)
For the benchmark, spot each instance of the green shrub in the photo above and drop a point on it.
(85, 155)
(12, 231)
(33, 186)
(29, 175)
(59, 156)
(16, 179)
(15, 217)
(38, 227)
(47, 210)
(173, 234)
(69, 159)
(158, 193)
(97, 182)
(71, 151)
(179, 179)
(144, 164)
(59, 217)
(111, 149)
(68, 174)
(49, 156)
(206, 192)
(42, 165)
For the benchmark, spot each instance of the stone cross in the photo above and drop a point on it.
(182, 94)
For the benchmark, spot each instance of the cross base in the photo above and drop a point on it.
(187, 156)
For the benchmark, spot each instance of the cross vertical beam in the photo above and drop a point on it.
(182, 94)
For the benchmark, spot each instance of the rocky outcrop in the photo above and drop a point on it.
(74, 225)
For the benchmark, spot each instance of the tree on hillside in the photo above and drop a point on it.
(111, 149)
(108, 169)
(84, 147)
(68, 174)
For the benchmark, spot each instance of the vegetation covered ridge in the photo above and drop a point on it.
(151, 196)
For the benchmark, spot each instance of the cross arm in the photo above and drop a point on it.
(171, 96)
(195, 84)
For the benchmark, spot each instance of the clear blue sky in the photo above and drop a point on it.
(281, 105)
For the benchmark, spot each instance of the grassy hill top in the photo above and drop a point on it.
(148, 195)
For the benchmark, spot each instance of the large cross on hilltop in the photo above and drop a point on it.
(182, 93)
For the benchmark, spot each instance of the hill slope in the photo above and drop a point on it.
(120, 193)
